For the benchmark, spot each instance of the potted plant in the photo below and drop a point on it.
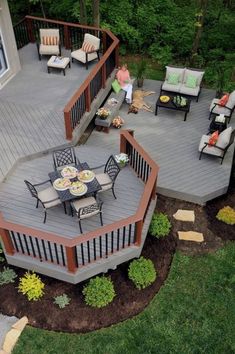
(103, 113)
(122, 159)
(140, 72)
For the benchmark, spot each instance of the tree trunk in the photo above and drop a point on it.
(83, 12)
(199, 29)
(42, 9)
(96, 12)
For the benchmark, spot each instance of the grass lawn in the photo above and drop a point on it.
(194, 312)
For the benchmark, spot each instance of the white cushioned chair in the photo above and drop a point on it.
(181, 87)
(49, 42)
(225, 139)
(89, 51)
(85, 208)
(47, 197)
(227, 110)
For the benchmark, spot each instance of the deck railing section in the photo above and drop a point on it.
(97, 244)
(71, 36)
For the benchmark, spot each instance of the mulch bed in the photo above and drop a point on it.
(77, 317)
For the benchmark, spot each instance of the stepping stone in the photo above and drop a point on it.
(20, 325)
(10, 340)
(185, 215)
(191, 236)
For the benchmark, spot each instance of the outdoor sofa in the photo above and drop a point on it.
(183, 81)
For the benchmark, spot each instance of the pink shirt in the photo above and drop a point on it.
(123, 76)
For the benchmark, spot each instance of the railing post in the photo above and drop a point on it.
(6, 239)
(68, 125)
(138, 232)
(153, 196)
(88, 98)
(103, 74)
(122, 143)
(71, 259)
(30, 30)
(117, 55)
(104, 41)
(66, 37)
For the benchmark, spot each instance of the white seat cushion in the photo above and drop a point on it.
(49, 49)
(211, 150)
(103, 178)
(85, 202)
(49, 194)
(224, 138)
(197, 74)
(231, 100)
(80, 55)
(218, 109)
(189, 91)
(180, 71)
(169, 87)
(62, 63)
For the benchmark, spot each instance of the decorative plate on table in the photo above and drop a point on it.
(69, 172)
(86, 176)
(164, 99)
(61, 184)
(78, 188)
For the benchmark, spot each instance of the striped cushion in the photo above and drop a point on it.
(87, 47)
(50, 40)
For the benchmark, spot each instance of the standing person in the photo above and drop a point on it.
(123, 77)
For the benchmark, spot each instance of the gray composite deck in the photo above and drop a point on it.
(18, 206)
(173, 144)
(31, 107)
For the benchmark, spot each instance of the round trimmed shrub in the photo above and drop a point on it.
(142, 272)
(99, 292)
(31, 286)
(160, 225)
(227, 215)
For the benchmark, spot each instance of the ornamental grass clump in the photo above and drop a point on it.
(160, 225)
(227, 215)
(142, 272)
(31, 286)
(99, 292)
(62, 301)
(7, 276)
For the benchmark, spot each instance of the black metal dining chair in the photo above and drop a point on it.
(47, 197)
(64, 157)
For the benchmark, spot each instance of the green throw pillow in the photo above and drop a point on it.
(116, 87)
(191, 81)
(173, 78)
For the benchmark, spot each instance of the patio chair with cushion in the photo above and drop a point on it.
(183, 81)
(85, 208)
(227, 110)
(47, 197)
(219, 149)
(89, 50)
(64, 157)
(108, 177)
(49, 42)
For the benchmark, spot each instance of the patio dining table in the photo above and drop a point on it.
(65, 196)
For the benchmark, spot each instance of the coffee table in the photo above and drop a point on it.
(59, 63)
(173, 106)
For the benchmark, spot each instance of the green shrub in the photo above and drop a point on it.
(7, 276)
(62, 301)
(142, 272)
(160, 225)
(31, 286)
(99, 292)
(227, 215)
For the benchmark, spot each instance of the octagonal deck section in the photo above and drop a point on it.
(18, 206)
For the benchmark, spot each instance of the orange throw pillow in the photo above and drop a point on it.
(223, 100)
(49, 40)
(213, 139)
(87, 47)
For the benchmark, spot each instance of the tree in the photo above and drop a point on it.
(83, 12)
(96, 12)
(199, 28)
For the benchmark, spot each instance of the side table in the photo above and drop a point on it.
(59, 63)
(215, 125)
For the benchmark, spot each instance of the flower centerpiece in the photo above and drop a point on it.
(122, 159)
(117, 122)
(103, 113)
